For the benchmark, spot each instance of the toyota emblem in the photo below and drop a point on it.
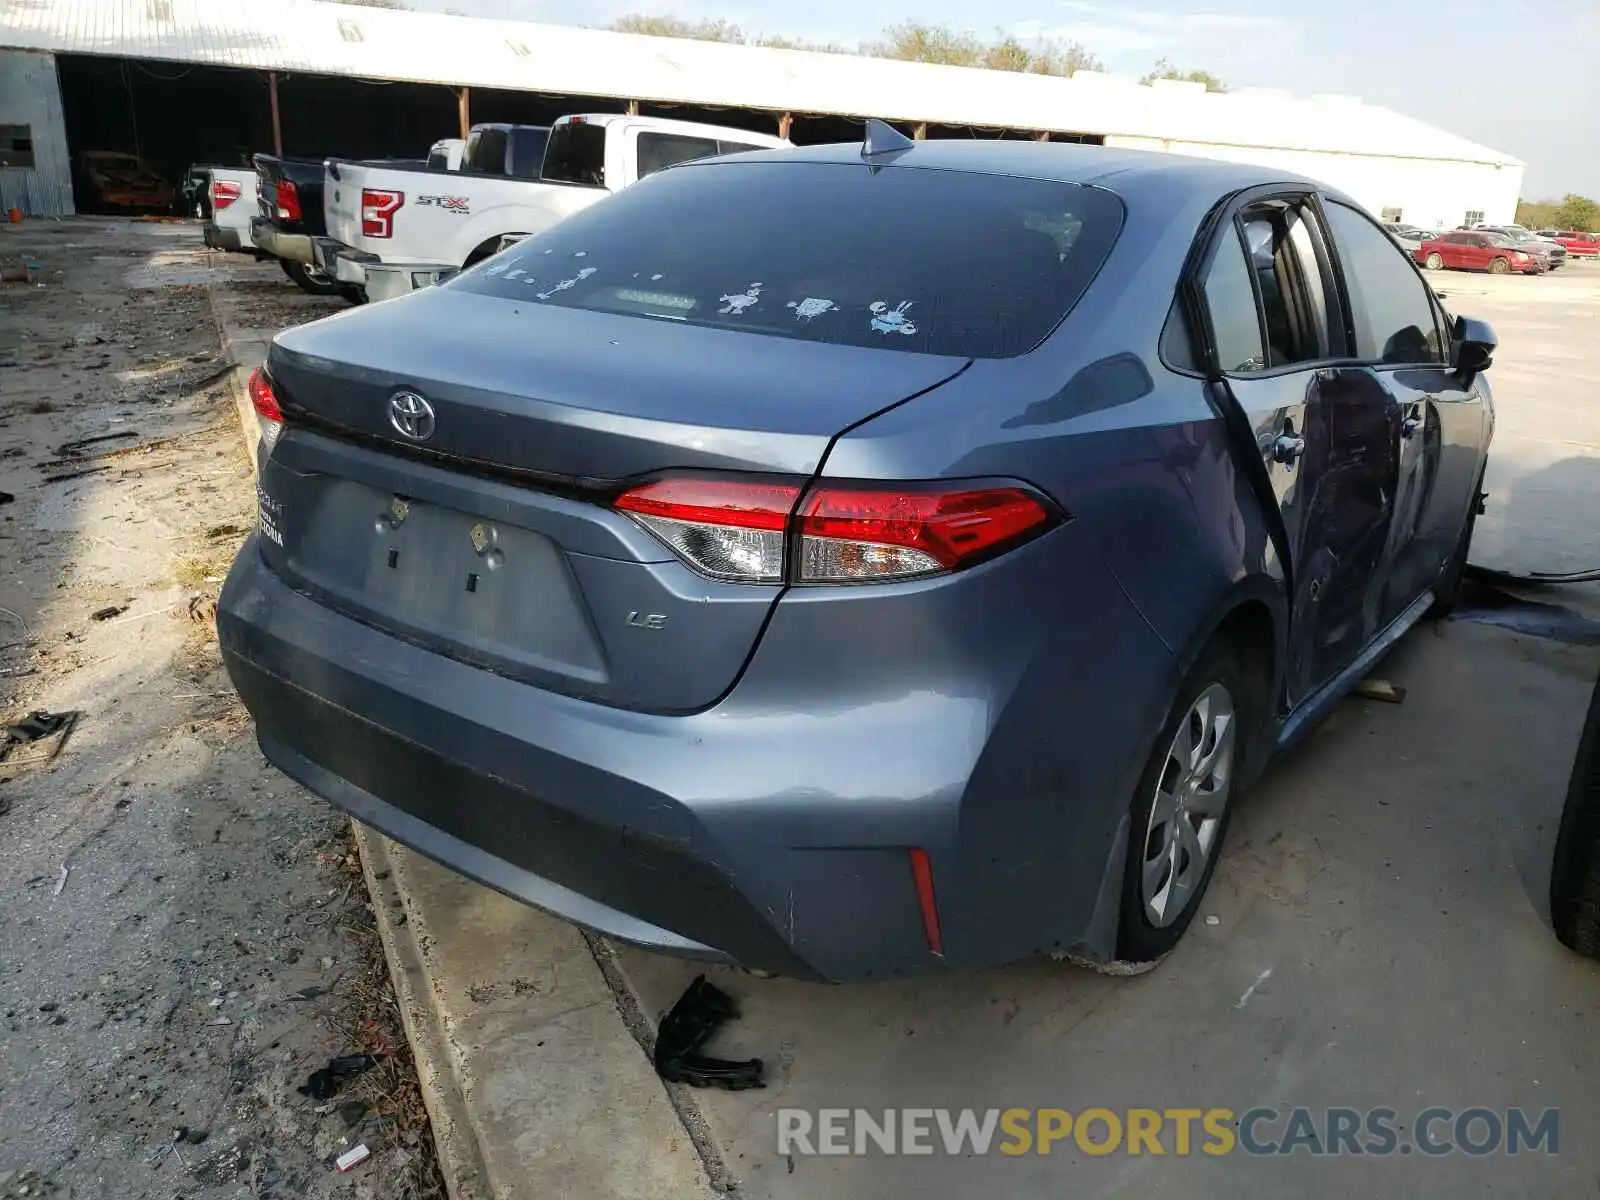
(411, 416)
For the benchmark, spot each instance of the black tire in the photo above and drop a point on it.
(1447, 592)
(353, 292)
(1499, 266)
(1139, 940)
(1575, 873)
(309, 280)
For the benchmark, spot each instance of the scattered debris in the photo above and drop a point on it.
(61, 880)
(1213, 920)
(202, 609)
(71, 450)
(106, 613)
(6, 497)
(36, 727)
(1380, 689)
(324, 1083)
(66, 475)
(697, 1015)
(352, 1157)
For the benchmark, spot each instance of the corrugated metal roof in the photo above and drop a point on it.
(337, 39)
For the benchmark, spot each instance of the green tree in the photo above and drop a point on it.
(675, 27)
(916, 41)
(1578, 212)
(1165, 70)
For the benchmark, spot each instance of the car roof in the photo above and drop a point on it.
(1063, 162)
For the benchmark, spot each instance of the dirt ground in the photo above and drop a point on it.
(184, 936)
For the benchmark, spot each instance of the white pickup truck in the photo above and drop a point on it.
(392, 230)
(231, 197)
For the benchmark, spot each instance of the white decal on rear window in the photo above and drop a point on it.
(811, 307)
(739, 301)
(580, 254)
(891, 320)
(513, 273)
(566, 283)
(497, 269)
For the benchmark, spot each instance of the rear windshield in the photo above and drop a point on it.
(576, 153)
(933, 262)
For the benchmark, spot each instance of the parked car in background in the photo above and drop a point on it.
(445, 154)
(1409, 237)
(394, 228)
(1577, 243)
(1525, 239)
(112, 180)
(1475, 250)
(231, 199)
(829, 625)
(289, 215)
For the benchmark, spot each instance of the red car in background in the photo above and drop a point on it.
(1471, 250)
(1578, 243)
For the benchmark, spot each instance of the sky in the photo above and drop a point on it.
(1521, 78)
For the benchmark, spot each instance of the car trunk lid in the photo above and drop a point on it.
(492, 538)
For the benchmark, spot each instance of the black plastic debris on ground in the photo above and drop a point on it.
(106, 613)
(324, 1083)
(35, 727)
(699, 1013)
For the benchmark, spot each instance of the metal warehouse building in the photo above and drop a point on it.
(181, 81)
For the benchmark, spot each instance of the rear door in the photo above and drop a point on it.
(1400, 334)
(1327, 431)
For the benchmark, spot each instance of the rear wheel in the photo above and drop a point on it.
(1184, 802)
(1575, 873)
(1435, 262)
(309, 279)
(1499, 266)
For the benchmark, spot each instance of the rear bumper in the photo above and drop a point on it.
(296, 247)
(772, 829)
(382, 281)
(222, 239)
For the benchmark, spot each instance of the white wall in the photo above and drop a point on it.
(1431, 194)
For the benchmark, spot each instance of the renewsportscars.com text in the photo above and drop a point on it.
(1429, 1131)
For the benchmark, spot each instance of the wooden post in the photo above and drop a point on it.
(1045, 136)
(785, 123)
(277, 120)
(464, 111)
(920, 133)
(633, 108)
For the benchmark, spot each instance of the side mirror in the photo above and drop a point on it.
(1475, 345)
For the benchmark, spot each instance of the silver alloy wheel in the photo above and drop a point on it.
(1186, 814)
(1435, 262)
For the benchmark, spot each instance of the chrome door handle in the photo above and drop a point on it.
(1287, 448)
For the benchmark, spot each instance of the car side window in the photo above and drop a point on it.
(1231, 302)
(1389, 304)
(1282, 257)
(657, 151)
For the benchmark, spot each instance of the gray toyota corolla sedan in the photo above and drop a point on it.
(848, 562)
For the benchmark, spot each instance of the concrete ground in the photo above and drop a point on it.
(184, 938)
(1374, 937)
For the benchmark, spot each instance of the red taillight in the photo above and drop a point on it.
(378, 206)
(223, 193)
(269, 413)
(725, 528)
(922, 880)
(263, 397)
(848, 534)
(288, 200)
(738, 530)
